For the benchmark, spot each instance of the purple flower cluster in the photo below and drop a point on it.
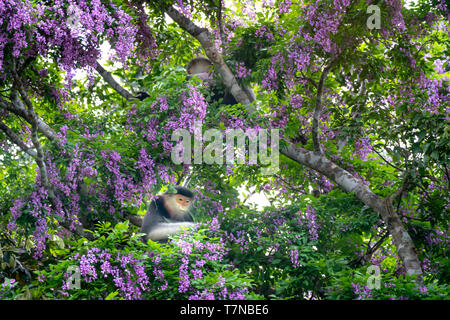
(242, 71)
(240, 238)
(363, 147)
(190, 271)
(395, 13)
(147, 47)
(120, 187)
(7, 288)
(362, 292)
(69, 27)
(294, 258)
(311, 222)
(284, 6)
(193, 108)
(124, 270)
(40, 210)
(270, 81)
(156, 130)
(223, 294)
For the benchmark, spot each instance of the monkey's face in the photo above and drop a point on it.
(177, 205)
(183, 202)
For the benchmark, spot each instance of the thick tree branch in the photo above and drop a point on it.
(13, 137)
(40, 162)
(349, 183)
(27, 113)
(18, 110)
(17, 107)
(33, 117)
(323, 165)
(204, 37)
(113, 83)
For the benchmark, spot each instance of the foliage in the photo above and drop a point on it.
(78, 156)
(117, 265)
(357, 285)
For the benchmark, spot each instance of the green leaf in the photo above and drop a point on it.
(112, 295)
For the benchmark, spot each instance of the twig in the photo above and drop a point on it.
(393, 166)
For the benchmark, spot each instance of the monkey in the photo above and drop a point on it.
(202, 67)
(167, 214)
(142, 95)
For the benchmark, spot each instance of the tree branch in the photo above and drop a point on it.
(204, 37)
(318, 107)
(304, 77)
(17, 107)
(18, 110)
(13, 137)
(40, 162)
(323, 165)
(370, 251)
(393, 166)
(349, 183)
(37, 125)
(113, 83)
(32, 119)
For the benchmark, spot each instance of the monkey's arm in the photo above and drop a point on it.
(156, 228)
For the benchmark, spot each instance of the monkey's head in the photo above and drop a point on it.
(178, 204)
